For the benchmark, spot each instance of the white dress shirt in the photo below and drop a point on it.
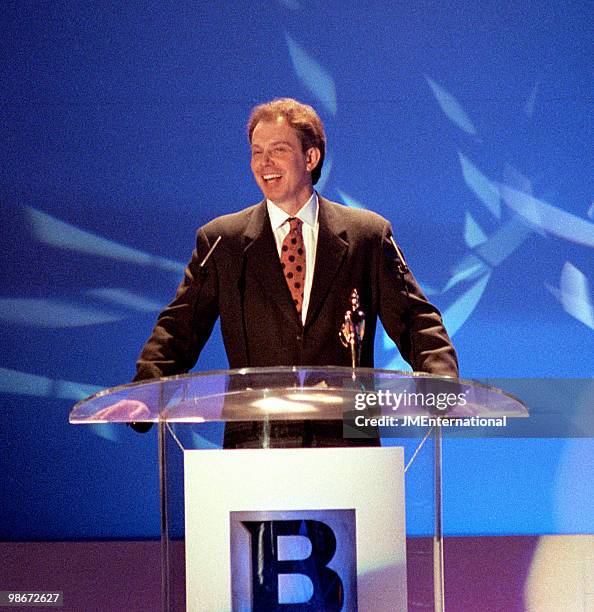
(308, 214)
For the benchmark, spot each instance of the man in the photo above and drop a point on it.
(281, 276)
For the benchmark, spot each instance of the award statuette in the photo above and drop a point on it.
(353, 329)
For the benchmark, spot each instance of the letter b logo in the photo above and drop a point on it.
(301, 561)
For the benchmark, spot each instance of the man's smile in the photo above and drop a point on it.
(271, 177)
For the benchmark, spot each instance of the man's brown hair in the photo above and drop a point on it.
(301, 117)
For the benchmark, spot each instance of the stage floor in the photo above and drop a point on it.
(498, 574)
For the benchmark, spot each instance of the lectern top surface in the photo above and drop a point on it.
(294, 393)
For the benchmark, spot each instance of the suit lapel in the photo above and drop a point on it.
(330, 253)
(262, 261)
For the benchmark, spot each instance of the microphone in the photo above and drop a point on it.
(241, 289)
(403, 269)
(141, 427)
(202, 264)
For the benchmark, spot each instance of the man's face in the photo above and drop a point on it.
(280, 166)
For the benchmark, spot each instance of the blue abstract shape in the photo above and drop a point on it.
(574, 482)
(574, 294)
(469, 268)
(531, 101)
(123, 297)
(15, 382)
(490, 253)
(52, 231)
(21, 383)
(549, 218)
(458, 313)
(451, 107)
(350, 201)
(512, 177)
(317, 80)
(428, 289)
(484, 189)
(107, 431)
(591, 211)
(66, 389)
(398, 363)
(326, 169)
(203, 443)
(52, 313)
(503, 242)
(473, 233)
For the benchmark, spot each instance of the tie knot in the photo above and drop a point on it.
(294, 224)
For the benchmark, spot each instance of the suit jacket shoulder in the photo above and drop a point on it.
(232, 225)
(363, 230)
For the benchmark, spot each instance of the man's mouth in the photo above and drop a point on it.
(269, 178)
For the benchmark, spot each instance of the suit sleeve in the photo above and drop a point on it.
(413, 323)
(184, 326)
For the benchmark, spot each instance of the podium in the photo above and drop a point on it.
(309, 512)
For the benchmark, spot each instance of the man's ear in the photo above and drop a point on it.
(312, 158)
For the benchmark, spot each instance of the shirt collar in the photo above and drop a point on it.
(308, 213)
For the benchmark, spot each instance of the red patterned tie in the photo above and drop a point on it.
(293, 261)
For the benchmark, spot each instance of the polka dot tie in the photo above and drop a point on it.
(293, 261)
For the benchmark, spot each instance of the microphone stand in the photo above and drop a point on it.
(144, 427)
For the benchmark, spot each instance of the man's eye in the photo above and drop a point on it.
(279, 150)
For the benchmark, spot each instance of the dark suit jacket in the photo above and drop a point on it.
(243, 283)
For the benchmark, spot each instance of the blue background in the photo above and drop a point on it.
(468, 125)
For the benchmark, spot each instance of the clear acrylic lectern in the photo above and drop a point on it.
(367, 408)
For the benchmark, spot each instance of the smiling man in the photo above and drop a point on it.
(282, 164)
(281, 276)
